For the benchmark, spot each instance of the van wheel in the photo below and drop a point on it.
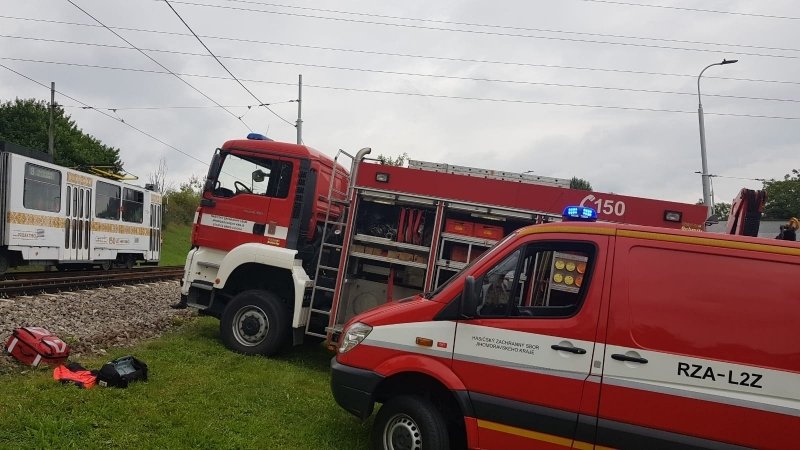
(255, 323)
(409, 423)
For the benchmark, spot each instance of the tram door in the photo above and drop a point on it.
(155, 231)
(78, 226)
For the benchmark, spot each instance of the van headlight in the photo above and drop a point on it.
(356, 333)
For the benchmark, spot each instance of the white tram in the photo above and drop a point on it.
(55, 216)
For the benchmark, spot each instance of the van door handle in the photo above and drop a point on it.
(564, 348)
(621, 357)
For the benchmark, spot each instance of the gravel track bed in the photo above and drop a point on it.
(93, 321)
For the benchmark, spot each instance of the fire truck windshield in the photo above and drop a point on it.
(242, 174)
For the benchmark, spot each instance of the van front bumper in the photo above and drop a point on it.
(354, 388)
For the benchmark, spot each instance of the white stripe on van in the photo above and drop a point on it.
(697, 378)
(705, 378)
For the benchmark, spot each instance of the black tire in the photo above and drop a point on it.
(255, 323)
(409, 423)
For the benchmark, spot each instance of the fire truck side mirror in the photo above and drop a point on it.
(259, 176)
(213, 172)
(469, 301)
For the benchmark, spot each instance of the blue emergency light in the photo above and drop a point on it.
(579, 214)
(257, 137)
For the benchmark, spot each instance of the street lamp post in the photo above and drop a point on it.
(706, 183)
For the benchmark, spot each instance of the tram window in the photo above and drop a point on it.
(133, 206)
(42, 190)
(107, 201)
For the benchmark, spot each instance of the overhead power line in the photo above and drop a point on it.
(479, 32)
(117, 119)
(402, 55)
(507, 27)
(716, 11)
(159, 64)
(425, 75)
(412, 94)
(223, 65)
(146, 108)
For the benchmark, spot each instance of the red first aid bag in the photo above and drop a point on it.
(36, 345)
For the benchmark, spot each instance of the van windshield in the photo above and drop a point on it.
(487, 254)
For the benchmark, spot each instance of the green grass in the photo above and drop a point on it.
(199, 395)
(177, 240)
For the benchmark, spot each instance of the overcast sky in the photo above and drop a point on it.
(561, 88)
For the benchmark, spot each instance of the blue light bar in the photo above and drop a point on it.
(579, 214)
(257, 137)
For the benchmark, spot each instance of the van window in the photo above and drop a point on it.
(538, 280)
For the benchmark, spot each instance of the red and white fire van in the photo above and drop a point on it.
(588, 335)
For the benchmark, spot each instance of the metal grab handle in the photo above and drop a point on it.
(563, 348)
(621, 357)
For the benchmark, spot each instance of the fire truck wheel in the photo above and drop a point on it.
(255, 323)
(409, 423)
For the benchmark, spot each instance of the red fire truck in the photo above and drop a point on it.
(288, 243)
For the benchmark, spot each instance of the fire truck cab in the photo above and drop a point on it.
(587, 335)
(256, 236)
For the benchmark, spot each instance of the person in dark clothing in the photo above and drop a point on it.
(789, 231)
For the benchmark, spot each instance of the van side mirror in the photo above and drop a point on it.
(469, 301)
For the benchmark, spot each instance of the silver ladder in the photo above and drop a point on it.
(488, 173)
(322, 292)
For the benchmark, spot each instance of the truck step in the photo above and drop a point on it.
(329, 268)
(325, 244)
(335, 329)
(323, 288)
(319, 335)
(320, 311)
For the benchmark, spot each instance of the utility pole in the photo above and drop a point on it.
(51, 129)
(299, 123)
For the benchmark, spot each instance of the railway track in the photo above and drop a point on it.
(30, 283)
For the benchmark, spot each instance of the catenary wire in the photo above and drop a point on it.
(145, 108)
(224, 67)
(508, 27)
(480, 32)
(389, 72)
(679, 8)
(159, 64)
(403, 55)
(412, 94)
